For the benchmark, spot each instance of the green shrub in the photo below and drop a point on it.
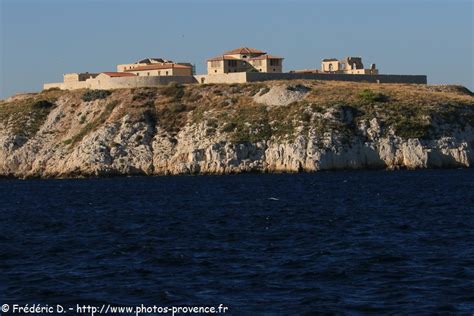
(173, 90)
(297, 87)
(176, 107)
(43, 104)
(194, 97)
(235, 88)
(306, 117)
(229, 127)
(82, 119)
(318, 108)
(91, 95)
(264, 91)
(251, 124)
(210, 131)
(212, 123)
(371, 96)
(143, 94)
(411, 128)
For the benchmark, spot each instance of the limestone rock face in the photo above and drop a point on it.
(281, 95)
(81, 139)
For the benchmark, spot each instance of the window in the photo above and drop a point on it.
(167, 73)
(159, 73)
(215, 70)
(274, 62)
(147, 73)
(330, 67)
(232, 63)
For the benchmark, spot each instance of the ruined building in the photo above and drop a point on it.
(349, 65)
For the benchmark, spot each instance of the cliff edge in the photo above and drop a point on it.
(216, 128)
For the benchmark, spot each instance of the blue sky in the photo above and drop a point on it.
(41, 40)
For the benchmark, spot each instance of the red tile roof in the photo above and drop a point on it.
(118, 74)
(244, 50)
(266, 56)
(158, 66)
(223, 58)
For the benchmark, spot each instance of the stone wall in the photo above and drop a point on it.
(259, 76)
(242, 77)
(234, 77)
(238, 77)
(136, 82)
(171, 71)
(120, 82)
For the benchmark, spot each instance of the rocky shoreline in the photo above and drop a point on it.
(226, 129)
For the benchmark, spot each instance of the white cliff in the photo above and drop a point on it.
(78, 138)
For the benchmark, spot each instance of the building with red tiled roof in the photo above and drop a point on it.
(157, 67)
(162, 69)
(113, 74)
(244, 51)
(244, 59)
(266, 56)
(223, 57)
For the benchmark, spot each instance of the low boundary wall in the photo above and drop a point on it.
(120, 82)
(239, 77)
(243, 77)
(259, 76)
(234, 77)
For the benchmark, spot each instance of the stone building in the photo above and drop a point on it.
(157, 70)
(244, 59)
(157, 67)
(142, 62)
(74, 77)
(239, 65)
(349, 65)
(165, 69)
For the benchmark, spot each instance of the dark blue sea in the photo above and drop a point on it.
(365, 242)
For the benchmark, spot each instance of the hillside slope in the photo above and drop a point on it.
(265, 127)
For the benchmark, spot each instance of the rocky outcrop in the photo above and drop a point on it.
(122, 142)
(283, 94)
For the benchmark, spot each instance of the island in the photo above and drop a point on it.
(269, 126)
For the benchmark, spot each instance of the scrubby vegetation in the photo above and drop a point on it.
(329, 108)
(91, 95)
(175, 91)
(411, 111)
(104, 115)
(371, 96)
(43, 104)
(143, 94)
(25, 115)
